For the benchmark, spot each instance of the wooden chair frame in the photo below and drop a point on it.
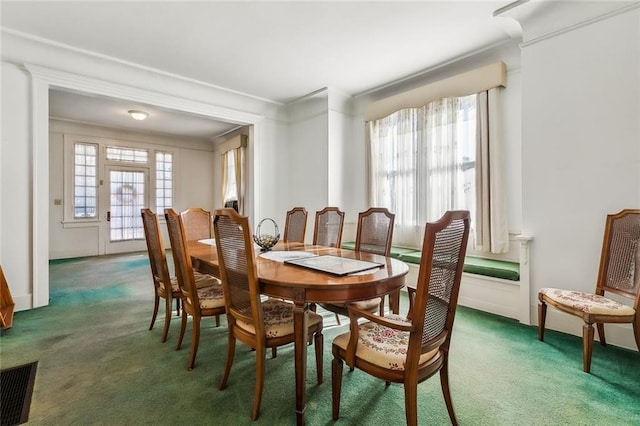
(291, 225)
(601, 287)
(197, 223)
(319, 233)
(420, 342)
(187, 285)
(7, 304)
(253, 315)
(159, 270)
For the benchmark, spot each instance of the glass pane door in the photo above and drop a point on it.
(127, 194)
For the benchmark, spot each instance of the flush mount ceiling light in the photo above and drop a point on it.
(138, 115)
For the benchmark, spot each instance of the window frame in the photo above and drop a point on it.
(70, 140)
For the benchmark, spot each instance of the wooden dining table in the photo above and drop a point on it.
(304, 286)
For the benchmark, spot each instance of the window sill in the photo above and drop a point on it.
(93, 223)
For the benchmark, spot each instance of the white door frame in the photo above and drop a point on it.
(42, 80)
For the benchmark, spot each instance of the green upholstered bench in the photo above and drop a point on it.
(474, 265)
(499, 284)
(396, 252)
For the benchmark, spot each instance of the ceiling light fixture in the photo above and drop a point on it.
(138, 115)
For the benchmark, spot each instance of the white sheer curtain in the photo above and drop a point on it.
(233, 177)
(423, 162)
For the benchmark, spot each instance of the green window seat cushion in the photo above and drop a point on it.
(492, 268)
(473, 265)
(478, 265)
(396, 252)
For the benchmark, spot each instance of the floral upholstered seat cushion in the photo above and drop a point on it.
(174, 285)
(278, 318)
(588, 303)
(365, 305)
(205, 280)
(383, 346)
(211, 296)
(202, 280)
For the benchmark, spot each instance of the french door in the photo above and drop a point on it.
(128, 193)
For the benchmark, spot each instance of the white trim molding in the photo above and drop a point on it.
(42, 80)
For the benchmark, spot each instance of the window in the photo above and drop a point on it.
(230, 190)
(116, 153)
(85, 180)
(423, 162)
(164, 180)
(88, 162)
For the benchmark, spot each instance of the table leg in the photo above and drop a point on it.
(300, 326)
(394, 302)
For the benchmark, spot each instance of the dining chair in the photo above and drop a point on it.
(197, 223)
(619, 274)
(373, 235)
(165, 287)
(256, 323)
(199, 299)
(295, 225)
(411, 349)
(328, 227)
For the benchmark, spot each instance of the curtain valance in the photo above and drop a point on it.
(474, 81)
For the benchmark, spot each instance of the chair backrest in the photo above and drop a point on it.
(181, 257)
(328, 227)
(295, 225)
(197, 223)
(236, 260)
(375, 231)
(620, 258)
(155, 248)
(443, 251)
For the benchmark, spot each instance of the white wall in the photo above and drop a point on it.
(308, 156)
(580, 145)
(16, 175)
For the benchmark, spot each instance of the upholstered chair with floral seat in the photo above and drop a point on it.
(411, 349)
(256, 323)
(201, 298)
(619, 274)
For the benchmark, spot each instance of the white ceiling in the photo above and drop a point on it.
(277, 51)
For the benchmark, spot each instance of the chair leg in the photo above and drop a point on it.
(156, 303)
(636, 331)
(183, 328)
(318, 340)
(177, 306)
(257, 395)
(274, 352)
(587, 346)
(338, 319)
(336, 386)
(542, 317)
(231, 349)
(195, 340)
(167, 319)
(603, 340)
(444, 382)
(411, 400)
(217, 320)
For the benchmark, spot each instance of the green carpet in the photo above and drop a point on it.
(99, 364)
